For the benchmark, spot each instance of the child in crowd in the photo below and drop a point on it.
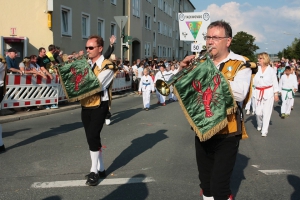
(287, 86)
(146, 86)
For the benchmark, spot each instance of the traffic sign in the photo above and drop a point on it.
(193, 26)
(121, 21)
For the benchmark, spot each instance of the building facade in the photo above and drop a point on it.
(152, 26)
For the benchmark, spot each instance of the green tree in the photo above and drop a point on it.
(292, 51)
(297, 50)
(243, 44)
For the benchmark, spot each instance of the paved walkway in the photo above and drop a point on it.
(6, 116)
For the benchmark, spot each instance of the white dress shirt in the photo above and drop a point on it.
(241, 82)
(105, 77)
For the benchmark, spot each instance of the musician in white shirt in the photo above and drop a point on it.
(161, 75)
(266, 91)
(173, 71)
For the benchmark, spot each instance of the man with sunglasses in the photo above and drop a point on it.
(95, 107)
(216, 156)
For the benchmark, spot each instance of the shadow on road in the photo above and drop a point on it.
(50, 133)
(53, 198)
(124, 114)
(238, 172)
(8, 134)
(137, 147)
(252, 118)
(130, 191)
(295, 182)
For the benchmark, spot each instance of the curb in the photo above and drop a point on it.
(27, 115)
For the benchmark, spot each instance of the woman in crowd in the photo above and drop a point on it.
(34, 65)
(26, 67)
(266, 91)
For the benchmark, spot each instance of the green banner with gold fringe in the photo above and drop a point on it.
(206, 99)
(78, 80)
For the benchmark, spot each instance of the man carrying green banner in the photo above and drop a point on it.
(210, 96)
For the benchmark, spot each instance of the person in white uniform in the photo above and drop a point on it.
(161, 75)
(146, 87)
(287, 86)
(293, 74)
(173, 71)
(266, 91)
(251, 103)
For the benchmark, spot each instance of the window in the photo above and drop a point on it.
(173, 25)
(154, 39)
(154, 14)
(164, 51)
(177, 34)
(147, 22)
(113, 2)
(66, 21)
(158, 25)
(166, 29)
(113, 29)
(159, 51)
(147, 49)
(100, 28)
(160, 4)
(136, 8)
(170, 31)
(85, 25)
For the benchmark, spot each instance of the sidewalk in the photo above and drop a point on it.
(20, 115)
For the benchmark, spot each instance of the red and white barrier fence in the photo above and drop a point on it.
(120, 83)
(27, 90)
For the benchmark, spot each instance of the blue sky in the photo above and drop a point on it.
(274, 23)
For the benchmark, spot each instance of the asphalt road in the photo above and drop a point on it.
(148, 155)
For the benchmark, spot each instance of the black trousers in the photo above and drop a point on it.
(93, 120)
(108, 116)
(215, 160)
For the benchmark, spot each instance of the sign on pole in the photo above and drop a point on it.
(121, 21)
(193, 26)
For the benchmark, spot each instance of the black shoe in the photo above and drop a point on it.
(92, 179)
(101, 174)
(2, 149)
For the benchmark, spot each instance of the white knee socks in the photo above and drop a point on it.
(100, 166)
(208, 198)
(94, 158)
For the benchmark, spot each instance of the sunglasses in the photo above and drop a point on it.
(90, 47)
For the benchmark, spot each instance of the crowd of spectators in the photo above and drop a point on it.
(42, 64)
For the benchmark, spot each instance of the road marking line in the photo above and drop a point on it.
(256, 166)
(78, 183)
(276, 171)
